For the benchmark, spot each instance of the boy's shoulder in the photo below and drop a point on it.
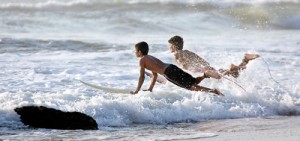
(146, 57)
(185, 53)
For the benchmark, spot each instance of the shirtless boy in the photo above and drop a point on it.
(190, 61)
(171, 72)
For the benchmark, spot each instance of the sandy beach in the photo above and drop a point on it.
(255, 129)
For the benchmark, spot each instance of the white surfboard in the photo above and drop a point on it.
(107, 89)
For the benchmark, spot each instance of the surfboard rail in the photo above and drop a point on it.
(107, 89)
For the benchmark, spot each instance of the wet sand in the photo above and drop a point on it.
(255, 129)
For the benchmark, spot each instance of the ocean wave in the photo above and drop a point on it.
(73, 3)
(39, 5)
(266, 16)
(9, 45)
(292, 22)
(154, 17)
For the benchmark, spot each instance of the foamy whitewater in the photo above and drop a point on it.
(46, 46)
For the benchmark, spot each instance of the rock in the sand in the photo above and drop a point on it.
(43, 117)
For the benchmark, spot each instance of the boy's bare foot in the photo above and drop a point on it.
(249, 57)
(217, 92)
(212, 74)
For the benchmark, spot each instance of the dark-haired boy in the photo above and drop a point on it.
(171, 72)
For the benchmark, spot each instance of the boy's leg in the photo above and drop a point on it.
(204, 89)
(247, 58)
(213, 74)
(199, 79)
(208, 74)
(234, 70)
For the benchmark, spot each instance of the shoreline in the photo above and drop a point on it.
(275, 128)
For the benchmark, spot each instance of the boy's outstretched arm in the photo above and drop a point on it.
(153, 80)
(141, 78)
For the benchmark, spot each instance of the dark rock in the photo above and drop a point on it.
(43, 117)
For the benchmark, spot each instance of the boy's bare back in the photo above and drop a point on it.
(189, 60)
(153, 64)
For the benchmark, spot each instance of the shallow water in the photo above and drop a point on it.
(47, 46)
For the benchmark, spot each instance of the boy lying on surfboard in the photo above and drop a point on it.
(171, 72)
(190, 61)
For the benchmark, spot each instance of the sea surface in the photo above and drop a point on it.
(47, 46)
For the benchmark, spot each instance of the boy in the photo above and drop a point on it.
(190, 61)
(169, 71)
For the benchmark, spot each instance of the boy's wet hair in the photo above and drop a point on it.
(143, 47)
(177, 41)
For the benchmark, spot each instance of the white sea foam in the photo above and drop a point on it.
(46, 47)
(50, 79)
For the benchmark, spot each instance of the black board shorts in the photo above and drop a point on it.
(179, 77)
